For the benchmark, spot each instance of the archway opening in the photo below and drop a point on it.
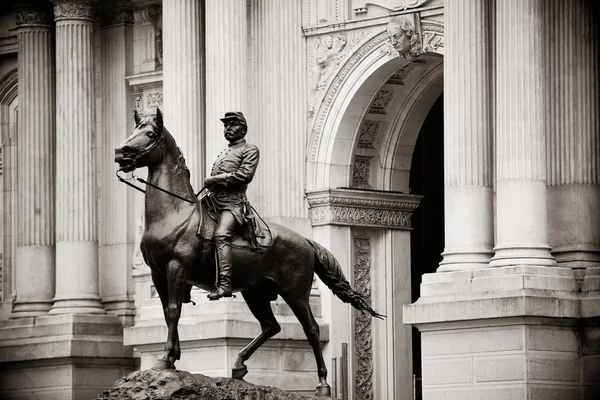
(427, 236)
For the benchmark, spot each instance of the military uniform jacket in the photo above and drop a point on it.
(235, 168)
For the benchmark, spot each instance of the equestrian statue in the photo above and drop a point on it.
(219, 244)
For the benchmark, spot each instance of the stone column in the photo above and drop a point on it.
(36, 164)
(522, 229)
(572, 103)
(116, 199)
(226, 69)
(183, 80)
(76, 227)
(278, 118)
(468, 158)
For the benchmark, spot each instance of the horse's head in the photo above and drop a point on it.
(146, 144)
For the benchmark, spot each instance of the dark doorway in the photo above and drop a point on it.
(427, 236)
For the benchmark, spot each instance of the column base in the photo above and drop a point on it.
(464, 260)
(30, 309)
(64, 356)
(518, 255)
(509, 333)
(77, 305)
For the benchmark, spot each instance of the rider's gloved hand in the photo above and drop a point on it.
(210, 181)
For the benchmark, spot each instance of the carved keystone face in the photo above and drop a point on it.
(400, 40)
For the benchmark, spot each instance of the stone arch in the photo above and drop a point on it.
(335, 130)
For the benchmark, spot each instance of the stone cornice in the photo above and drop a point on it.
(362, 208)
(75, 10)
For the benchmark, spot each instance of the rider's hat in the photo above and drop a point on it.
(237, 115)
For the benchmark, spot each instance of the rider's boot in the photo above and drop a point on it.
(224, 259)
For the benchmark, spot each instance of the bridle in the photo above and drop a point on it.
(158, 140)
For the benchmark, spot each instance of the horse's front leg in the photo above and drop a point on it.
(170, 290)
(176, 282)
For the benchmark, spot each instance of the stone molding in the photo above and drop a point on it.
(361, 208)
(74, 10)
(361, 7)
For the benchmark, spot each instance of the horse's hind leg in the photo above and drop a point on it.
(260, 306)
(301, 308)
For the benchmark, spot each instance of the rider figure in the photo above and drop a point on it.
(230, 175)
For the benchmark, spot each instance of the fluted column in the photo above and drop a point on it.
(522, 229)
(467, 136)
(183, 80)
(278, 101)
(36, 163)
(573, 142)
(226, 66)
(76, 225)
(115, 200)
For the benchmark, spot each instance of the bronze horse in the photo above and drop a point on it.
(178, 256)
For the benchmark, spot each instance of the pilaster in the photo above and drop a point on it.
(278, 108)
(226, 67)
(573, 140)
(183, 80)
(115, 200)
(76, 212)
(369, 234)
(35, 267)
(522, 229)
(467, 136)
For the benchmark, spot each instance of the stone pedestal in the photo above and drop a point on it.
(76, 208)
(36, 164)
(467, 136)
(62, 356)
(213, 333)
(508, 333)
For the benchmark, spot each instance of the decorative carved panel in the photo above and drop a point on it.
(363, 342)
(381, 102)
(361, 172)
(362, 208)
(368, 134)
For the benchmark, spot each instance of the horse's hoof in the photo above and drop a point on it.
(239, 373)
(162, 365)
(323, 390)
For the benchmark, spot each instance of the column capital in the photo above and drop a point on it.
(151, 13)
(116, 12)
(30, 14)
(74, 9)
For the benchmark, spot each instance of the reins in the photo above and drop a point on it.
(145, 182)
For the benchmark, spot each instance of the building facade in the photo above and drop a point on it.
(446, 152)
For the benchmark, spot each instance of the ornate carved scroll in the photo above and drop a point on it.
(363, 342)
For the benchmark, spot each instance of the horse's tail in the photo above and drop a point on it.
(330, 272)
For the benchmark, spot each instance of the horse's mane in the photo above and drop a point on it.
(170, 144)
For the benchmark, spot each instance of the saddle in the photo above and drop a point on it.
(261, 239)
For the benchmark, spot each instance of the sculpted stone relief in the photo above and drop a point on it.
(361, 172)
(368, 134)
(330, 51)
(362, 322)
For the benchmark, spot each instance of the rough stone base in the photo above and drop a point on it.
(180, 385)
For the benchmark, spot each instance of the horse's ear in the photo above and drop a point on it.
(159, 118)
(136, 117)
